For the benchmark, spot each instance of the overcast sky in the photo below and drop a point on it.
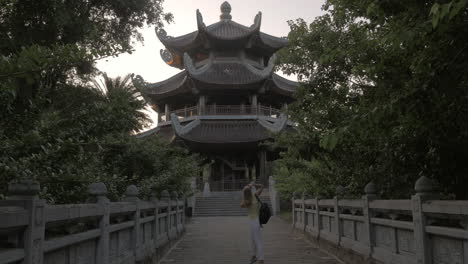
(146, 61)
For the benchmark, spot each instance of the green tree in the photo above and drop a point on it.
(55, 126)
(384, 97)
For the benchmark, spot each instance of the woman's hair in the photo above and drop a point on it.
(247, 198)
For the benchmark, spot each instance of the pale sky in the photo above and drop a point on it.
(147, 62)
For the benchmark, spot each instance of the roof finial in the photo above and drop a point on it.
(226, 11)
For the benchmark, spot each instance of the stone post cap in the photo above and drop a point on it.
(97, 189)
(371, 189)
(174, 195)
(424, 185)
(296, 195)
(132, 191)
(25, 187)
(154, 195)
(165, 195)
(340, 190)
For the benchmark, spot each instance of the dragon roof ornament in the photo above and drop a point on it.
(201, 26)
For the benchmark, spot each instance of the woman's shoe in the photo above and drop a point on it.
(253, 260)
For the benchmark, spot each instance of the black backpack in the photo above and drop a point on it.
(265, 212)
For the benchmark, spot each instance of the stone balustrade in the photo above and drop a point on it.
(422, 230)
(221, 110)
(96, 232)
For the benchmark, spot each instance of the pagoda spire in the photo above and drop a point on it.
(226, 11)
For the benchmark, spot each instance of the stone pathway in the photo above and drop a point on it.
(214, 240)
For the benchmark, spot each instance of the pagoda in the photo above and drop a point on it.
(227, 99)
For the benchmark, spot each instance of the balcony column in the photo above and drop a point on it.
(262, 167)
(166, 112)
(253, 100)
(201, 104)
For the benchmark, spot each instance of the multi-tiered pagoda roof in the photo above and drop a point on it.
(223, 57)
(227, 92)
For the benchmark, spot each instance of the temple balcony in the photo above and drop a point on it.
(220, 112)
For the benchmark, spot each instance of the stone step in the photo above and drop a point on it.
(198, 213)
(225, 202)
(198, 205)
(222, 206)
(220, 214)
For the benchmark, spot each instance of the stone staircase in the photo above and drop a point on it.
(227, 204)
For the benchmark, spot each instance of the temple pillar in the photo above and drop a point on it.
(166, 112)
(254, 172)
(262, 166)
(201, 104)
(246, 171)
(222, 177)
(253, 100)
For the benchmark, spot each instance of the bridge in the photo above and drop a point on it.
(422, 229)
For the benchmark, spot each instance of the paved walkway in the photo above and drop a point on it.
(214, 240)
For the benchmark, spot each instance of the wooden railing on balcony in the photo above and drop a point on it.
(223, 110)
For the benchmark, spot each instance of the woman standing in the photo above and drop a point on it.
(253, 206)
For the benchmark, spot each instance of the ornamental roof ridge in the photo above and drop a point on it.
(224, 30)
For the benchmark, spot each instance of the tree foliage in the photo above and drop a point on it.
(60, 128)
(384, 98)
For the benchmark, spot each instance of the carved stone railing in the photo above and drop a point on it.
(229, 110)
(96, 232)
(420, 230)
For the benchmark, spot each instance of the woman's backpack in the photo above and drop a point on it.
(265, 212)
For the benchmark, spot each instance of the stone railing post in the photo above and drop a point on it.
(191, 199)
(175, 200)
(371, 193)
(166, 197)
(154, 199)
(98, 192)
(425, 190)
(131, 195)
(25, 193)
(274, 196)
(294, 218)
(182, 210)
(339, 194)
(303, 207)
(317, 217)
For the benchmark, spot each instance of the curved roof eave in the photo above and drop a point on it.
(272, 41)
(181, 43)
(236, 72)
(224, 30)
(168, 85)
(283, 84)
